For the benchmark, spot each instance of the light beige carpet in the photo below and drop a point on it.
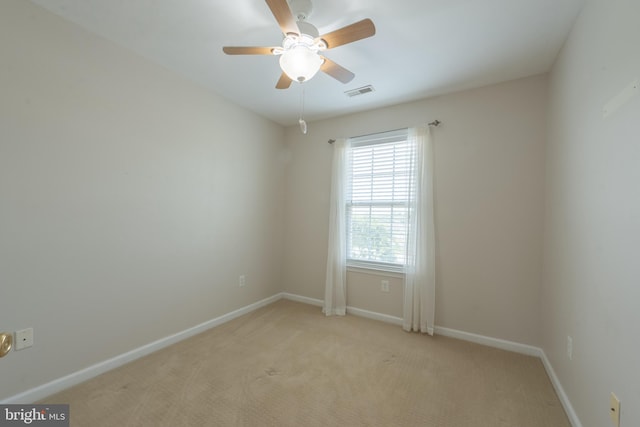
(288, 365)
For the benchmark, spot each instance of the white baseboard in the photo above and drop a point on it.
(564, 399)
(489, 341)
(475, 338)
(300, 298)
(42, 391)
(375, 316)
(350, 310)
(523, 349)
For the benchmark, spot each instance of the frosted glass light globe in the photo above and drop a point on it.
(300, 63)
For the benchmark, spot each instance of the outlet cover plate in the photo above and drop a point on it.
(384, 286)
(614, 411)
(24, 338)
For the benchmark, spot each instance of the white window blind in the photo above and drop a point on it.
(377, 200)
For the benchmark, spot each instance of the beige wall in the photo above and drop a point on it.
(130, 199)
(591, 285)
(489, 196)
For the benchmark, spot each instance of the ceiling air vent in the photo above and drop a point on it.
(360, 91)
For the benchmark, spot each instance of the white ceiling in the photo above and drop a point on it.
(421, 47)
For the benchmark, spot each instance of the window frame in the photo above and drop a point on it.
(354, 264)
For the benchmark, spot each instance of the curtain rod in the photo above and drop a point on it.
(434, 123)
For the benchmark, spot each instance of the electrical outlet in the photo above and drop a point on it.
(569, 347)
(241, 281)
(24, 338)
(384, 286)
(614, 412)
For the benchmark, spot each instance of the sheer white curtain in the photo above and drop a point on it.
(419, 290)
(335, 294)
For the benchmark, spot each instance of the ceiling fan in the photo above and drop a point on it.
(300, 53)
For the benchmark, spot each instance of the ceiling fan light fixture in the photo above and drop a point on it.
(300, 62)
(301, 52)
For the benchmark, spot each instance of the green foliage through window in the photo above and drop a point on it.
(377, 199)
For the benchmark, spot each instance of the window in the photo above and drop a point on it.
(377, 200)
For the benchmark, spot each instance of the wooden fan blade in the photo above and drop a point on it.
(336, 71)
(247, 50)
(283, 15)
(284, 82)
(351, 33)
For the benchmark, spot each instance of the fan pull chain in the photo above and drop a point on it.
(301, 121)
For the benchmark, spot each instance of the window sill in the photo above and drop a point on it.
(376, 269)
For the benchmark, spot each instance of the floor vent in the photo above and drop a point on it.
(360, 91)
